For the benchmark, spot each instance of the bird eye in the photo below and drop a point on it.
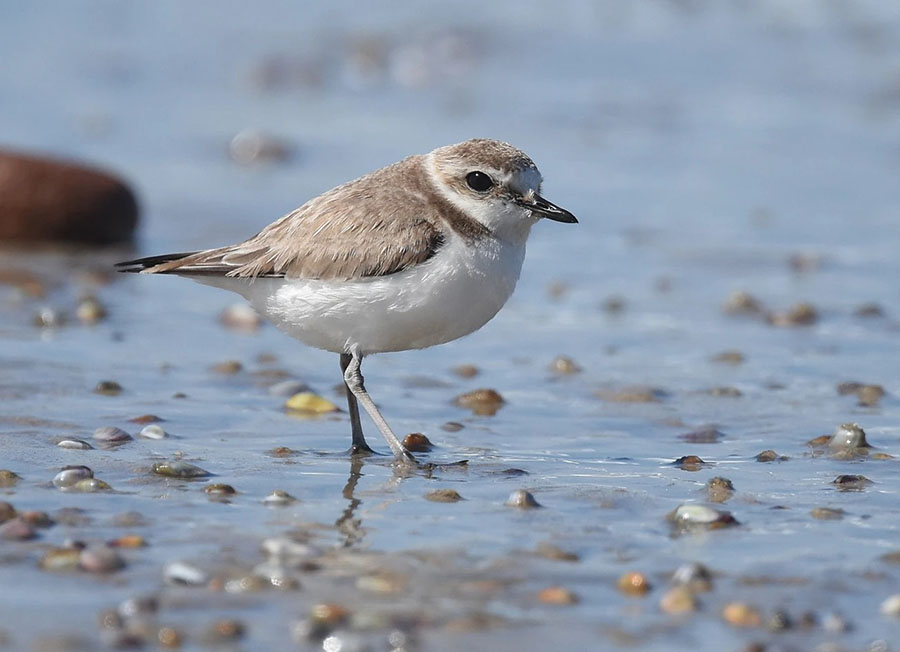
(479, 181)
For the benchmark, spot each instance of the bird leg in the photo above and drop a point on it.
(359, 444)
(355, 384)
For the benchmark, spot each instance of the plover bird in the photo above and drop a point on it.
(418, 253)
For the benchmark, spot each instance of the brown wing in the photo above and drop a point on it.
(376, 225)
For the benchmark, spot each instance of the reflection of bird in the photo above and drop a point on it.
(349, 524)
(415, 254)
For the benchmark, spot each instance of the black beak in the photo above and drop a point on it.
(537, 204)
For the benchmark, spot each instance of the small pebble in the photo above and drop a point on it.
(554, 552)
(522, 499)
(108, 388)
(309, 403)
(7, 511)
(111, 435)
(891, 606)
(384, 583)
(779, 621)
(725, 391)
(466, 371)
(330, 614)
(146, 418)
(800, 314)
(741, 614)
(564, 366)
(89, 486)
(848, 436)
(137, 607)
(129, 541)
(557, 595)
(246, 584)
(286, 549)
(225, 630)
(282, 451)
(868, 310)
(689, 463)
(49, 317)
(182, 573)
(678, 600)
(153, 431)
(130, 519)
(700, 517)
(483, 402)
(848, 387)
(869, 395)
(179, 469)
(90, 311)
(100, 559)
(416, 442)
(17, 529)
(835, 623)
(702, 435)
(636, 394)
(443, 496)
(9, 478)
(851, 482)
(719, 489)
(556, 290)
(732, 357)
(60, 559)
(805, 262)
(169, 637)
(694, 576)
(70, 475)
(279, 498)
(742, 303)
(37, 518)
(634, 583)
(74, 444)
(219, 489)
(288, 388)
(452, 426)
(770, 456)
(614, 305)
(827, 513)
(227, 368)
(241, 317)
(72, 517)
(252, 147)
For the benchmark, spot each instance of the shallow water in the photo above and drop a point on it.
(701, 148)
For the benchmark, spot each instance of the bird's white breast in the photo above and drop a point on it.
(452, 294)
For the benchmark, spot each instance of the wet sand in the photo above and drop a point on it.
(705, 151)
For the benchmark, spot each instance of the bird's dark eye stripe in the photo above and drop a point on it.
(479, 181)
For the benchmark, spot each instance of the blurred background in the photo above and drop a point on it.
(688, 117)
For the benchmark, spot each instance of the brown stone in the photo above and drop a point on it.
(47, 200)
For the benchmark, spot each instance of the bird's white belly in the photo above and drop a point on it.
(452, 294)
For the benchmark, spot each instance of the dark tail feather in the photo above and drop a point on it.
(140, 264)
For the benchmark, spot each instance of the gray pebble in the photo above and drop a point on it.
(70, 475)
(100, 559)
(74, 444)
(153, 431)
(180, 572)
(522, 499)
(111, 434)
